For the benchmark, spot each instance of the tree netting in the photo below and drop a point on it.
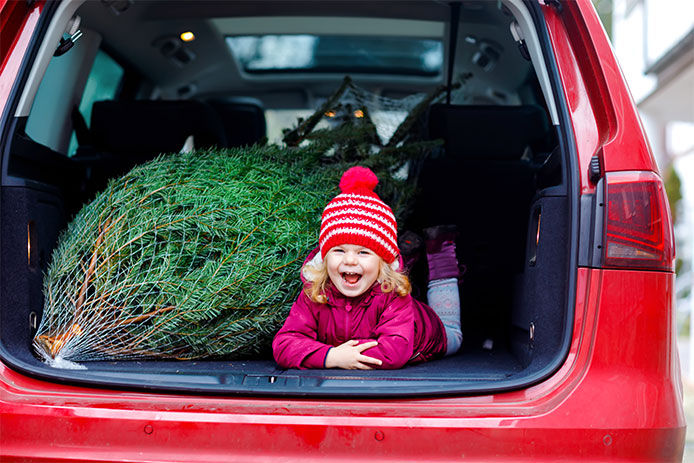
(386, 114)
(197, 255)
(191, 255)
(385, 134)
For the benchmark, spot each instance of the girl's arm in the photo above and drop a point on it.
(394, 333)
(295, 344)
(349, 356)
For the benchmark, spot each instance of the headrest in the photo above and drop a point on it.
(243, 120)
(490, 132)
(154, 126)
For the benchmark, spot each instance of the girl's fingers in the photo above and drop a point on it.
(352, 342)
(371, 360)
(367, 345)
(361, 366)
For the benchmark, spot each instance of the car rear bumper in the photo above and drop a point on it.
(169, 437)
(617, 396)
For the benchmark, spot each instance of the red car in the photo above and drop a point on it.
(569, 343)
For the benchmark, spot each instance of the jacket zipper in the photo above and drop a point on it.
(348, 327)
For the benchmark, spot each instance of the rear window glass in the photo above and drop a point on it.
(337, 54)
(102, 84)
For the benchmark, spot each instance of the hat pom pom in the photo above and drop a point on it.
(358, 178)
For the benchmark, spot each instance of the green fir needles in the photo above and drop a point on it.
(198, 255)
(188, 256)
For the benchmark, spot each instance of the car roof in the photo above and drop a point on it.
(137, 37)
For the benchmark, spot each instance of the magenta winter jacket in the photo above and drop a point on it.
(407, 331)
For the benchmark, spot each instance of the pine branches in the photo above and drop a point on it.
(187, 256)
(198, 255)
(354, 137)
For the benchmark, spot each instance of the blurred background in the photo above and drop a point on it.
(654, 43)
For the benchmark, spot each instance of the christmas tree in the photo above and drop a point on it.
(197, 255)
(190, 255)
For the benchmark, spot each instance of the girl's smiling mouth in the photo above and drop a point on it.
(351, 278)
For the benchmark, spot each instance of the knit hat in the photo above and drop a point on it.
(358, 216)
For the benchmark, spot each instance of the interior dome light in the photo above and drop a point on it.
(187, 36)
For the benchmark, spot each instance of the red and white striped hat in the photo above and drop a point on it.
(358, 216)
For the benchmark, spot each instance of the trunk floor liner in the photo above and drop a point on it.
(478, 365)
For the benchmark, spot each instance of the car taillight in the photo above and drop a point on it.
(638, 231)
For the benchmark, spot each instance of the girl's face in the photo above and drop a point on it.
(353, 269)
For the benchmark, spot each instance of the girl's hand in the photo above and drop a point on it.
(349, 356)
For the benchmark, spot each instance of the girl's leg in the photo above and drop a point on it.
(443, 298)
(443, 295)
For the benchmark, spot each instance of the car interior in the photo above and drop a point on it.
(129, 86)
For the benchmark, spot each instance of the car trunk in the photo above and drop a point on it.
(502, 176)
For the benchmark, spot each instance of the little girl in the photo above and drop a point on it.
(356, 311)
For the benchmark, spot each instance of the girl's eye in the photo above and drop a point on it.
(365, 253)
(339, 251)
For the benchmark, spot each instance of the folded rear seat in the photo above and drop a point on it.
(243, 120)
(126, 133)
(484, 181)
(141, 129)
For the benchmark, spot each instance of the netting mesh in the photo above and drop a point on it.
(187, 256)
(392, 120)
(197, 255)
(386, 114)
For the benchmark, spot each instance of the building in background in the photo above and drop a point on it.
(654, 43)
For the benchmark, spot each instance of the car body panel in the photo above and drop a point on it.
(603, 112)
(589, 409)
(23, 21)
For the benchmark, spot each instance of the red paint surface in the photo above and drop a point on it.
(616, 396)
(603, 113)
(22, 24)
